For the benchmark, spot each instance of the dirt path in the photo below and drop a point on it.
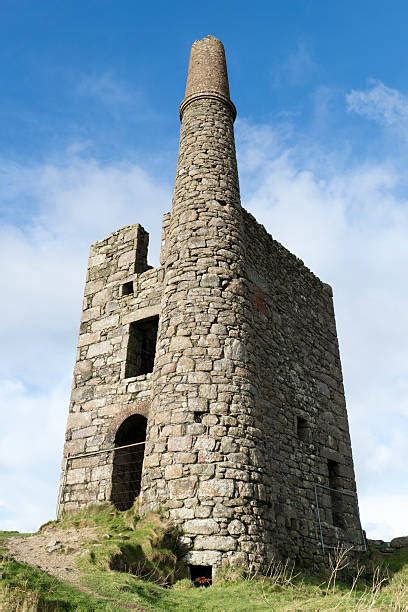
(53, 550)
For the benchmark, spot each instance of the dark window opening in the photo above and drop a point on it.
(335, 494)
(127, 288)
(302, 429)
(201, 575)
(141, 347)
(128, 461)
(198, 417)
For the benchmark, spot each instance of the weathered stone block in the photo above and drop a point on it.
(105, 323)
(100, 348)
(101, 472)
(178, 343)
(182, 488)
(75, 476)
(217, 542)
(235, 527)
(216, 488)
(127, 260)
(85, 432)
(205, 443)
(173, 471)
(204, 526)
(204, 557)
(91, 338)
(79, 419)
(179, 443)
(210, 280)
(101, 298)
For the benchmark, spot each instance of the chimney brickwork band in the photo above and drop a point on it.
(207, 74)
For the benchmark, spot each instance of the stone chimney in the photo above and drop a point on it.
(201, 377)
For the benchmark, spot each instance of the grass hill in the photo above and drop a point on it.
(102, 559)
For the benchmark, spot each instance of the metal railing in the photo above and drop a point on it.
(337, 533)
(126, 469)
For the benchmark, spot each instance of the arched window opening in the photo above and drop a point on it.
(128, 461)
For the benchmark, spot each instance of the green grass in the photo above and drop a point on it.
(23, 582)
(23, 585)
(149, 549)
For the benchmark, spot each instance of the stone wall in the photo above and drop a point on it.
(120, 288)
(247, 445)
(390, 548)
(299, 407)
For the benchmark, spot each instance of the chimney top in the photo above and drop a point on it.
(207, 70)
(207, 73)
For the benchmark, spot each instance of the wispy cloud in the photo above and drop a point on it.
(116, 96)
(72, 204)
(296, 70)
(349, 224)
(385, 516)
(106, 89)
(379, 103)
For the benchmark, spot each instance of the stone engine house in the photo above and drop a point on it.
(211, 387)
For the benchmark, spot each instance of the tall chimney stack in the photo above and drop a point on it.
(202, 378)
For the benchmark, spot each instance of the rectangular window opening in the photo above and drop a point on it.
(127, 288)
(141, 348)
(201, 575)
(335, 494)
(302, 429)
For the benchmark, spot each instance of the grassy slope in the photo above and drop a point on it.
(150, 549)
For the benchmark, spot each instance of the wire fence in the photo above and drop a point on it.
(115, 475)
(338, 519)
(112, 474)
(126, 475)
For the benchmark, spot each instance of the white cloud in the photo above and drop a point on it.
(379, 103)
(350, 228)
(31, 439)
(43, 263)
(349, 224)
(384, 517)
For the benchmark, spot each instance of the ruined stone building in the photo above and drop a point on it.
(211, 387)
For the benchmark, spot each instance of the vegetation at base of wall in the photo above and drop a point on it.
(147, 547)
(150, 552)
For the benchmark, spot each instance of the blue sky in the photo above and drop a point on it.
(88, 143)
(70, 69)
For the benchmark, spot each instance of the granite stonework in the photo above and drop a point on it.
(102, 398)
(247, 443)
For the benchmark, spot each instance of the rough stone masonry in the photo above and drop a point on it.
(224, 361)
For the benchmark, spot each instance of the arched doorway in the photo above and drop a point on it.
(128, 461)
